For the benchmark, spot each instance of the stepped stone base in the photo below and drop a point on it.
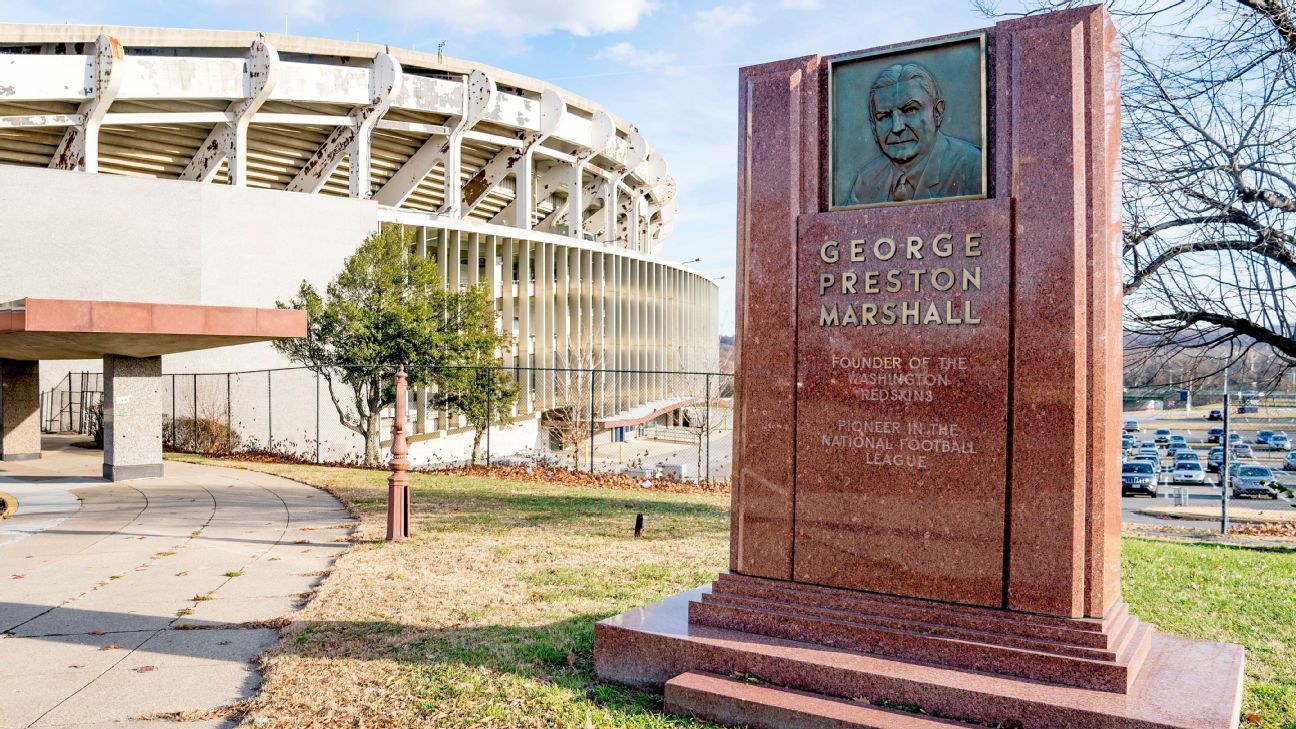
(729, 701)
(1179, 683)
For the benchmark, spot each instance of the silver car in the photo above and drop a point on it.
(1188, 472)
(1252, 480)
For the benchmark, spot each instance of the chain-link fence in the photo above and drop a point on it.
(1276, 403)
(652, 424)
(72, 405)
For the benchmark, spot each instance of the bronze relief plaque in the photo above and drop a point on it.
(902, 399)
(908, 125)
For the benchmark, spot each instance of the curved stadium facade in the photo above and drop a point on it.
(223, 168)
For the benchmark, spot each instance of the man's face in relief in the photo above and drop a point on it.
(905, 120)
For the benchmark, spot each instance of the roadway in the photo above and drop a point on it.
(1193, 426)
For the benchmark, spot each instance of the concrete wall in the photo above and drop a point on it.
(522, 438)
(73, 235)
(567, 302)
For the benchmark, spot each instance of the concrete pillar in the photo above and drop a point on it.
(421, 392)
(523, 305)
(20, 435)
(133, 412)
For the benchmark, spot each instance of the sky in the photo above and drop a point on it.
(669, 68)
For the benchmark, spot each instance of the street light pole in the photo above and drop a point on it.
(1224, 467)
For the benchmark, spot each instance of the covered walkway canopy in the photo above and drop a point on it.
(131, 337)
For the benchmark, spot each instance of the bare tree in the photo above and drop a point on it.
(575, 391)
(1208, 92)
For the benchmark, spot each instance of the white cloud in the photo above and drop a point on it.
(722, 18)
(512, 18)
(627, 54)
(800, 4)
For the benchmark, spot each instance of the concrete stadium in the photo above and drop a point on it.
(223, 168)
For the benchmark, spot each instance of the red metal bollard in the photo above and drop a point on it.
(398, 489)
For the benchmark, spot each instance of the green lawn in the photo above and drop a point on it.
(1231, 594)
(485, 618)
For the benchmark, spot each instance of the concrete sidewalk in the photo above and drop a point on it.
(135, 601)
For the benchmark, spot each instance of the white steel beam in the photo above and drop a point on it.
(34, 121)
(436, 150)
(353, 141)
(79, 148)
(516, 161)
(634, 154)
(228, 140)
(481, 95)
(546, 185)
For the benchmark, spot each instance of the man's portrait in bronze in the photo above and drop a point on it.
(898, 137)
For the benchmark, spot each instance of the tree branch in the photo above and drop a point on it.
(1262, 334)
(1274, 252)
(1276, 13)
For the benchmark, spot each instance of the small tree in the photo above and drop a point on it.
(574, 389)
(470, 386)
(385, 308)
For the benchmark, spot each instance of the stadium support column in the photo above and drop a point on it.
(562, 314)
(420, 392)
(543, 322)
(132, 417)
(19, 410)
(494, 285)
(524, 299)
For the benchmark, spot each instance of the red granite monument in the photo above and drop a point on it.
(926, 480)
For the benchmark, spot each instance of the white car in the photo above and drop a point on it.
(1188, 472)
(1279, 442)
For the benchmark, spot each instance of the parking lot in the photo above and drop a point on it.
(1194, 426)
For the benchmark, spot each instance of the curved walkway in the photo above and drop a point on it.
(148, 597)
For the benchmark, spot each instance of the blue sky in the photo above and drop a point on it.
(670, 68)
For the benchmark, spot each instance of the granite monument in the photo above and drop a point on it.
(926, 493)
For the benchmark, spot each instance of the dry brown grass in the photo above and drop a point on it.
(485, 618)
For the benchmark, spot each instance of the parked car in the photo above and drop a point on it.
(1187, 455)
(1162, 436)
(1214, 435)
(1279, 442)
(1215, 414)
(1138, 477)
(1214, 459)
(1289, 463)
(1252, 480)
(1263, 436)
(1131, 426)
(1242, 450)
(1188, 472)
(1145, 452)
(1235, 437)
(1249, 408)
(1128, 441)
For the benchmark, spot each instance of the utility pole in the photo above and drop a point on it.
(1224, 469)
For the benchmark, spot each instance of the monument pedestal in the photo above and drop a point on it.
(746, 678)
(926, 493)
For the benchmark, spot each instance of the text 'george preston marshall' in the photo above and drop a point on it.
(939, 279)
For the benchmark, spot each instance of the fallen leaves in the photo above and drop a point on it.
(145, 669)
(1271, 529)
(110, 647)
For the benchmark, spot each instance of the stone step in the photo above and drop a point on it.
(731, 702)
